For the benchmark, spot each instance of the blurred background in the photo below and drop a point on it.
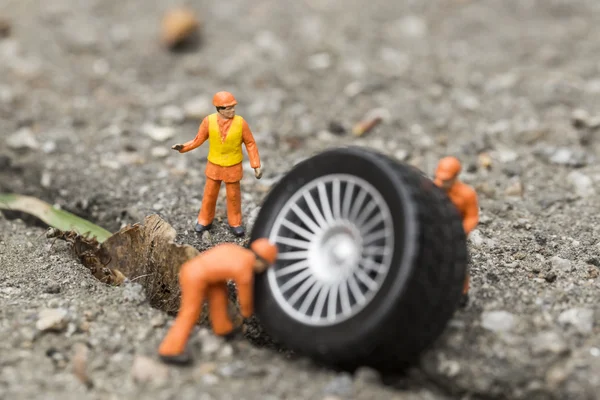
(93, 94)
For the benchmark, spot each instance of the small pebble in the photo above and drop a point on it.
(23, 139)
(581, 183)
(54, 319)
(570, 157)
(159, 152)
(561, 264)
(198, 107)
(341, 385)
(550, 276)
(158, 133)
(4, 28)
(580, 318)
(211, 344)
(178, 25)
(52, 288)
(46, 179)
(319, 61)
(580, 118)
(158, 321)
(171, 115)
(497, 321)
(146, 370)
(515, 189)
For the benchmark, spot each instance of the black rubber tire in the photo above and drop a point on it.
(421, 291)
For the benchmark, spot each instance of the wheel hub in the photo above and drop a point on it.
(337, 242)
(336, 253)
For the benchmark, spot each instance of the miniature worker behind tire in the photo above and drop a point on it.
(371, 264)
(463, 197)
(225, 132)
(205, 277)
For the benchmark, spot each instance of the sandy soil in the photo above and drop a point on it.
(89, 81)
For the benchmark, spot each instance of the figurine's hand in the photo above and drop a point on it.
(257, 173)
(177, 147)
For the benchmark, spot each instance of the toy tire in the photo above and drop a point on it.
(397, 303)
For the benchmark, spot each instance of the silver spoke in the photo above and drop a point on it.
(314, 209)
(292, 255)
(310, 297)
(364, 214)
(305, 219)
(374, 250)
(299, 244)
(377, 235)
(364, 278)
(371, 265)
(298, 230)
(332, 303)
(302, 289)
(325, 204)
(335, 193)
(345, 298)
(372, 223)
(306, 274)
(290, 269)
(318, 310)
(358, 202)
(347, 199)
(358, 296)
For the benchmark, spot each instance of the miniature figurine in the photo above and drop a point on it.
(206, 276)
(463, 197)
(225, 132)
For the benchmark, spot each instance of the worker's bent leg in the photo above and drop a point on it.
(466, 284)
(234, 203)
(218, 299)
(192, 296)
(209, 201)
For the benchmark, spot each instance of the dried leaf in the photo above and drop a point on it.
(142, 253)
(147, 254)
(60, 219)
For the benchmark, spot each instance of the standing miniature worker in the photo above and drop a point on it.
(225, 133)
(463, 197)
(206, 276)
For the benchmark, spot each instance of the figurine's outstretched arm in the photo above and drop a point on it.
(201, 137)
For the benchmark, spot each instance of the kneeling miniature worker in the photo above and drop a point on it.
(463, 197)
(205, 277)
(225, 133)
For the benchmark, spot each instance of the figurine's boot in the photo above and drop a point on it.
(209, 203)
(218, 302)
(465, 296)
(193, 289)
(234, 208)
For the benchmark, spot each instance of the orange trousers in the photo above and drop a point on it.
(466, 284)
(193, 292)
(209, 202)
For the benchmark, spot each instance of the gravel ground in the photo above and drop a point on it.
(86, 91)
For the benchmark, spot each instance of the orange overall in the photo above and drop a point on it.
(464, 198)
(205, 277)
(224, 163)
